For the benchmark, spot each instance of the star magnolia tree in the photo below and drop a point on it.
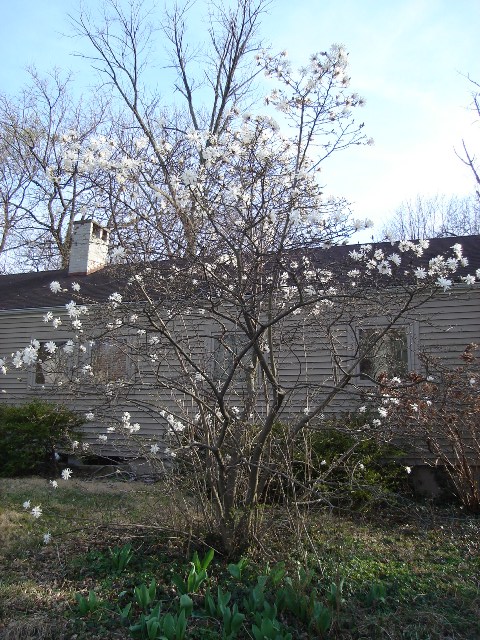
(223, 335)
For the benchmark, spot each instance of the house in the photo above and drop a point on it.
(31, 308)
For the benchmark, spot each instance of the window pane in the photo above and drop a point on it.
(51, 368)
(109, 361)
(389, 355)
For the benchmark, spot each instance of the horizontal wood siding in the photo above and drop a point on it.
(446, 325)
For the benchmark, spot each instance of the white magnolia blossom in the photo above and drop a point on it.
(36, 512)
(50, 347)
(69, 346)
(117, 254)
(444, 283)
(55, 287)
(420, 273)
(115, 299)
(47, 537)
(90, 416)
(66, 474)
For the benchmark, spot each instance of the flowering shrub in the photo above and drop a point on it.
(439, 413)
(227, 289)
(29, 435)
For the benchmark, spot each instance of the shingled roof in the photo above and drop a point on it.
(32, 290)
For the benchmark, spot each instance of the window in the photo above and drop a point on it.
(109, 361)
(389, 355)
(225, 350)
(51, 368)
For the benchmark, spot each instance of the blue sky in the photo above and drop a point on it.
(407, 59)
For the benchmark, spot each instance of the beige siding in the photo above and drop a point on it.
(445, 326)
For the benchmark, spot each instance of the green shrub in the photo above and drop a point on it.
(340, 459)
(30, 433)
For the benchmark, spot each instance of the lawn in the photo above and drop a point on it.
(411, 574)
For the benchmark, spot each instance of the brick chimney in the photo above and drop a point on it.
(89, 247)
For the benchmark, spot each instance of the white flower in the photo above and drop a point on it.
(115, 299)
(30, 355)
(420, 273)
(472, 382)
(90, 416)
(117, 254)
(102, 437)
(154, 449)
(51, 347)
(76, 324)
(323, 463)
(362, 409)
(457, 249)
(414, 407)
(66, 473)
(47, 538)
(408, 469)
(75, 286)
(36, 512)
(170, 453)
(54, 484)
(48, 316)
(383, 412)
(75, 444)
(376, 422)
(445, 283)
(26, 504)
(68, 346)
(189, 178)
(55, 287)
(469, 279)
(56, 323)
(361, 467)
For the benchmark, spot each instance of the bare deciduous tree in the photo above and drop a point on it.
(440, 216)
(467, 157)
(43, 191)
